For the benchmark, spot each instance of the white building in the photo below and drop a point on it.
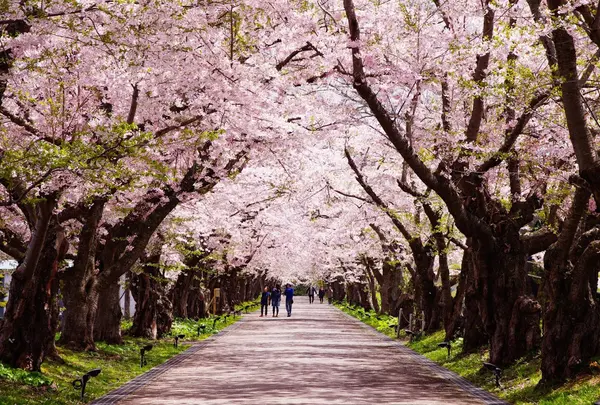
(6, 268)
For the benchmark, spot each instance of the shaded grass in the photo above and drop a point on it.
(119, 364)
(519, 382)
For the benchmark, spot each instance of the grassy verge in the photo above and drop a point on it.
(518, 382)
(119, 364)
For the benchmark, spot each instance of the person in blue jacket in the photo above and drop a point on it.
(289, 298)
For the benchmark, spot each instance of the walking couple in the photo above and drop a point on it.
(274, 298)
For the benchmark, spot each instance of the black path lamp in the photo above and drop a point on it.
(201, 329)
(215, 321)
(177, 337)
(447, 345)
(143, 352)
(80, 383)
(494, 369)
(413, 335)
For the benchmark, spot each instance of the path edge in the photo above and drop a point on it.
(123, 391)
(487, 397)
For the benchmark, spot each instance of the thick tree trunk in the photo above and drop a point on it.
(79, 289)
(180, 294)
(456, 321)
(29, 327)
(508, 315)
(79, 317)
(474, 332)
(107, 327)
(339, 290)
(391, 288)
(572, 311)
(426, 293)
(153, 309)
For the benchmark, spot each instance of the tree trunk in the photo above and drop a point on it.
(153, 309)
(474, 333)
(507, 314)
(368, 263)
(79, 286)
(29, 328)
(572, 311)
(339, 291)
(107, 327)
(180, 294)
(456, 321)
(391, 288)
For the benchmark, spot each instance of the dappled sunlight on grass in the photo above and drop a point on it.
(119, 364)
(519, 382)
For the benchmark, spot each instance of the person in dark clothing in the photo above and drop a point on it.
(330, 295)
(264, 301)
(311, 294)
(275, 300)
(321, 294)
(289, 299)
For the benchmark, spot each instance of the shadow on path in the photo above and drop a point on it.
(318, 356)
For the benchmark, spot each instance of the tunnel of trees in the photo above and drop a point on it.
(439, 158)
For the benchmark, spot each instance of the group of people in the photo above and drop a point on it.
(312, 291)
(273, 298)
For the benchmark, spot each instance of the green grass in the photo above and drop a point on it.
(119, 364)
(519, 382)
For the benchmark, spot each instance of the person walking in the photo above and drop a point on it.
(311, 294)
(264, 301)
(329, 295)
(289, 298)
(275, 300)
(321, 294)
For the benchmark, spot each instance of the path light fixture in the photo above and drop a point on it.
(215, 321)
(494, 369)
(201, 329)
(80, 383)
(447, 345)
(143, 352)
(413, 335)
(177, 337)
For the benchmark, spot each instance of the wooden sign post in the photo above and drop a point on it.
(216, 296)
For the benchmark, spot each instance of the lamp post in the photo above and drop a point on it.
(201, 328)
(177, 337)
(143, 352)
(494, 369)
(447, 345)
(215, 321)
(80, 383)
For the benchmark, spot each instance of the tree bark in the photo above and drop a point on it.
(80, 297)
(107, 326)
(29, 326)
(571, 313)
(153, 309)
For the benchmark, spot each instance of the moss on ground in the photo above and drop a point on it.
(119, 364)
(519, 382)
